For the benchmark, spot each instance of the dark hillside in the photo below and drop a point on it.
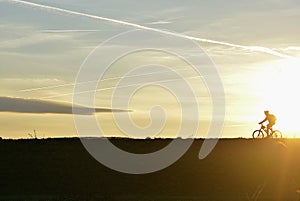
(237, 169)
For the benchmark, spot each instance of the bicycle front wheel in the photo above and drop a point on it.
(258, 134)
(277, 134)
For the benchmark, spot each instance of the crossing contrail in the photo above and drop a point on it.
(134, 25)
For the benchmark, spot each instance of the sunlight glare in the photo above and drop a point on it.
(281, 94)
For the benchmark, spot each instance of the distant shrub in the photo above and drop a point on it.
(0, 138)
(33, 135)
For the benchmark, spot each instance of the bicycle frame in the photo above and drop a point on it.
(265, 129)
(262, 132)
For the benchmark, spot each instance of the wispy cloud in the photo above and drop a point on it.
(21, 105)
(159, 22)
(68, 30)
(32, 39)
(249, 48)
(291, 48)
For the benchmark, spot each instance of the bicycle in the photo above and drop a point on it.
(262, 132)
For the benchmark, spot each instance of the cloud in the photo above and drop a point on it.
(35, 106)
(134, 25)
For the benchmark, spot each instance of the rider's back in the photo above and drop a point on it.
(271, 118)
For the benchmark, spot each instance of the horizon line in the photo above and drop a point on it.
(158, 138)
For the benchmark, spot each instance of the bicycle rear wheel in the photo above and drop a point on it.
(258, 134)
(277, 134)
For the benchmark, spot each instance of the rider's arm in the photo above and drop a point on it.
(263, 120)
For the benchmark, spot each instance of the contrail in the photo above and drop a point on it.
(116, 87)
(53, 86)
(250, 48)
(87, 82)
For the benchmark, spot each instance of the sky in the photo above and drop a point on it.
(253, 45)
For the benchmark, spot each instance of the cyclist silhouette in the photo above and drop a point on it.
(271, 118)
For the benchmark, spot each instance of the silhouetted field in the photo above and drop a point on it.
(237, 169)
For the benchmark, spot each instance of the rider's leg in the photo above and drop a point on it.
(269, 127)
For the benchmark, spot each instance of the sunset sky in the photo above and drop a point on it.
(41, 51)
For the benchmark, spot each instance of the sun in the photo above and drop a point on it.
(281, 94)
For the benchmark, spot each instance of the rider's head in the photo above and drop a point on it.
(266, 112)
